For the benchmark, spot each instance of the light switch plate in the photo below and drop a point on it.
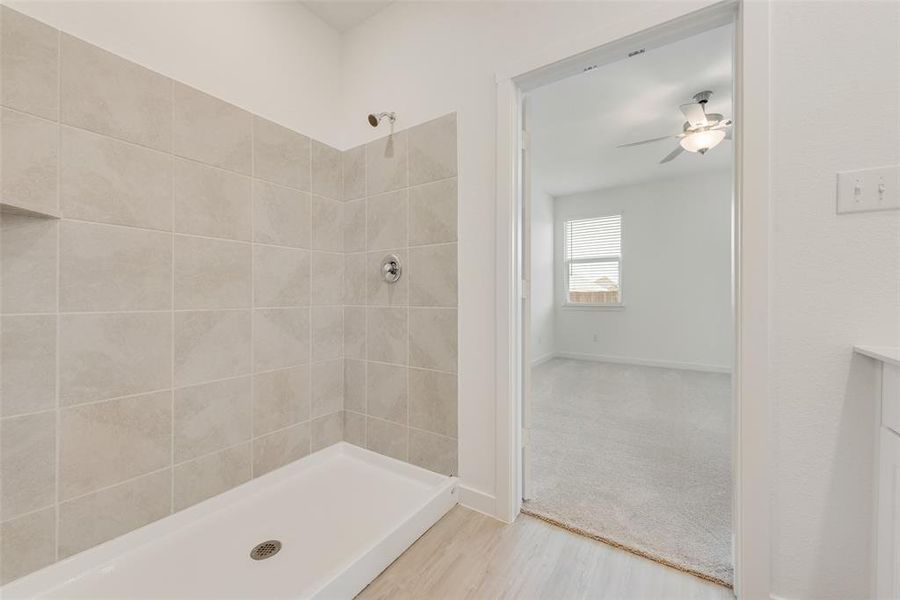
(868, 189)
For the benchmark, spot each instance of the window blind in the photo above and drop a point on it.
(593, 252)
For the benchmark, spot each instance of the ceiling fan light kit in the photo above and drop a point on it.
(700, 133)
(701, 141)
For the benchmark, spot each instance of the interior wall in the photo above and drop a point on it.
(676, 275)
(171, 308)
(543, 305)
(400, 339)
(836, 283)
(275, 59)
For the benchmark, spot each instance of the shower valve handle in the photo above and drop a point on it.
(391, 268)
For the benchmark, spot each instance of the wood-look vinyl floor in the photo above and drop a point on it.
(469, 555)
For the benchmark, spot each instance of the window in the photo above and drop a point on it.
(593, 261)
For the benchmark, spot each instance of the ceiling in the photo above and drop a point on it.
(576, 123)
(344, 15)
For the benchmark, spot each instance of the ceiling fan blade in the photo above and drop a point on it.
(695, 114)
(671, 155)
(723, 124)
(665, 137)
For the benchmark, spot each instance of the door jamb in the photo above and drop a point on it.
(751, 266)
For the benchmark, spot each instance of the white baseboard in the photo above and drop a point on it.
(644, 362)
(542, 359)
(477, 500)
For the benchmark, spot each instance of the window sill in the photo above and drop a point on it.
(593, 307)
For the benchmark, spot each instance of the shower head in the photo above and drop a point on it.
(375, 119)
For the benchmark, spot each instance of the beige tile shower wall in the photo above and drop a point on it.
(400, 340)
(179, 329)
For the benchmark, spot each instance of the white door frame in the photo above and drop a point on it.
(751, 265)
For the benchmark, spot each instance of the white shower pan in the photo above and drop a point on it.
(342, 515)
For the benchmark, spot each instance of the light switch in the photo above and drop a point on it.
(868, 189)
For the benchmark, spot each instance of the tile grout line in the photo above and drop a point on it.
(174, 154)
(309, 323)
(343, 227)
(34, 413)
(409, 185)
(154, 391)
(213, 238)
(252, 298)
(158, 391)
(23, 112)
(172, 299)
(411, 367)
(414, 306)
(58, 415)
(365, 235)
(441, 435)
(160, 311)
(114, 485)
(1, 361)
(408, 293)
(52, 506)
(170, 152)
(213, 452)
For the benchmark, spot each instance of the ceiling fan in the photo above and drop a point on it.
(700, 133)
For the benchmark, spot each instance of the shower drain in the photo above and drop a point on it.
(265, 550)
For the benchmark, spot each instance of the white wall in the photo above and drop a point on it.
(836, 283)
(275, 59)
(543, 306)
(676, 268)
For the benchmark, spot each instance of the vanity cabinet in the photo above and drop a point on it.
(887, 512)
(887, 556)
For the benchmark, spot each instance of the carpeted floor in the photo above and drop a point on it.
(637, 456)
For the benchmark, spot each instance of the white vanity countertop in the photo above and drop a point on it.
(886, 354)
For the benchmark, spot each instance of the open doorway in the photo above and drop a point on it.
(630, 252)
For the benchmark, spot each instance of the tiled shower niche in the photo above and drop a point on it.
(188, 295)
